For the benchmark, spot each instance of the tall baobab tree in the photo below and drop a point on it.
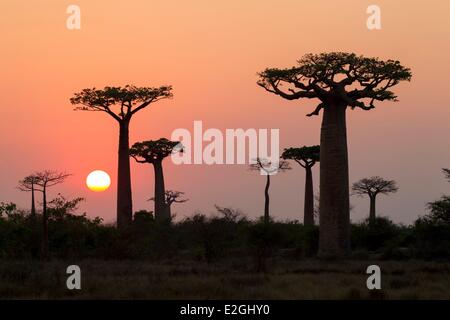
(339, 81)
(306, 157)
(44, 180)
(121, 103)
(171, 198)
(28, 184)
(372, 187)
(267, 168)
(154, 152)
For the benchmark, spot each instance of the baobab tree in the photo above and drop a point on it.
(28, 184)
(267, 167)
(306, 157)
(121, 103)
(339, 81)
(154, 152)
(372, 187)
(171, 198)
(44, 180)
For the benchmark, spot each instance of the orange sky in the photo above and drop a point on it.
(210, 52)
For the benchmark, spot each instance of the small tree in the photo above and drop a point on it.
(266, 167)
(372, 187)
(44, 180)
(121, 103)
(172, 197)
(154, 152)
(307, 158)
(28, 184)
(439, 211)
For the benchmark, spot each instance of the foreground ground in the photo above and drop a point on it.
(285, 279)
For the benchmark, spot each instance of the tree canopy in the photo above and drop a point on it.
(28, 183)
(304, 156)
(356, 81)
(447, 173)
(119, 102)
(374, 186)
(153, 150)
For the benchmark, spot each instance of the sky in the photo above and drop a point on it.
(210, 52)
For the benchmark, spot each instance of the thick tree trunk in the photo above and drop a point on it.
(372, 213)
(267, 200)
(308, 214)
(45, 244)
(33, 205)
(160, 194)
(334, 239)
(124, 199)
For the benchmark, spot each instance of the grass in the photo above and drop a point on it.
(286, 279)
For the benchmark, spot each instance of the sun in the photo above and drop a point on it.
(98, 181)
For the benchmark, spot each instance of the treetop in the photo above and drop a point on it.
(305, 156)
(127, 100)
(337, 78)
(154, 150)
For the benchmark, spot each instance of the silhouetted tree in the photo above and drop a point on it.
(447, 173)
(372, 187)
(268, 168)
(121, 103)
(172, 197)
(155, 152)
(44, 180)
(439, 211)
(28, 184)
(340, 81)
(307, 158)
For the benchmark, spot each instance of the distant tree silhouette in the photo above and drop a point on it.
(340, 81)
(155, 152)
(372, 187)
(121, 103)
(307, 158)
(28, 184)
(439, 211)
(171, 197)
(447, 173)
(265, 166)
(44, 180)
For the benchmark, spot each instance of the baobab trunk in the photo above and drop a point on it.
(308, 214)
(160, 193)
(267, 200)
(124, 200)
(334, 238)
(33, 206)
(45, 244)
(372, 213)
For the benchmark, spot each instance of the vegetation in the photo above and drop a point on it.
(227, 234)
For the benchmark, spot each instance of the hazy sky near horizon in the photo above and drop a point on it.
(210, 51)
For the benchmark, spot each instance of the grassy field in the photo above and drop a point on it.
(309, 279)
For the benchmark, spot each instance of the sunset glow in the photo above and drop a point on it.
(98, 181)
